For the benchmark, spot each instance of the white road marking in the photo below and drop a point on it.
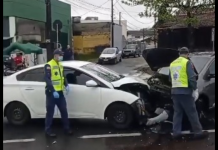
(109, 135)
(18, 141)
(188, 132)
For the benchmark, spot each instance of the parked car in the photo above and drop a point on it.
(131, 50)
(160, 87)
(110, 55)
(96, 94)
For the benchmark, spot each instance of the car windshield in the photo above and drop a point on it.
(108, 51)
(198, 61)
(131, 46)
(102, 72)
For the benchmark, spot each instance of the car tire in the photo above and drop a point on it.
(115, 61)
(120, 116)
(135, 55)
(120, 59)
(17, 114)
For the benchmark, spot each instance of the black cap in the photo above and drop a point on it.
(183, 50)
(58, 51)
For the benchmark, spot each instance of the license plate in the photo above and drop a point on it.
(106, 60)
(127, 53)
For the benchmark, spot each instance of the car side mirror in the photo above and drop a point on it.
(91, 83)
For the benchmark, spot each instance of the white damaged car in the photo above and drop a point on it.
(95, 93)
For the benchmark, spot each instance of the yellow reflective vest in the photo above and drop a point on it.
(178, 72)
(57, 76)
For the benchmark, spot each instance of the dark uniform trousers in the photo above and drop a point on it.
(50, 108)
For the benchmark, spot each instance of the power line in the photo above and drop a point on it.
(128, 13)
(100, 7)
(93, 10)
(97, 7)
(86, 8)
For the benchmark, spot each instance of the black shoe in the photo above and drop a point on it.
(69, 132)
(48, 134)
(204, 135)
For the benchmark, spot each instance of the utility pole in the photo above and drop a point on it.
(112, 23)
(48, 25)
(143, 34)
(155, 40)
(120, 18)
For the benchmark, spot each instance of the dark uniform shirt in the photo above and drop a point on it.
(49, 87)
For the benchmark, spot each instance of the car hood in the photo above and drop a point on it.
(157, 58)
(107, 55)
(128, 80)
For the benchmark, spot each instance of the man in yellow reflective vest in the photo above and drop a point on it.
(184, 93)
(56, 83)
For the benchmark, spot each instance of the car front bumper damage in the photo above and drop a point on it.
(140, 111)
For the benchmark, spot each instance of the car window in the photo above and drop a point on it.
(76, 77)
(199, 62)
(36, 75)
(164, 71)
(109, 51)
(102, 72)
(212, 68)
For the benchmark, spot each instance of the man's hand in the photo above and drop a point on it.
(56, 94)
(67, 88)
(195, 94)
(162, 117)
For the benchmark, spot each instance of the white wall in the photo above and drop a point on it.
(118, 40)
(12, 28)
(123, 23)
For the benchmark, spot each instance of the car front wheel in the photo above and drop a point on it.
(17, 113)
(120, 116)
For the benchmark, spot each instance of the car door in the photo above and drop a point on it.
(32, 86)
(82, 101)
(209, 84)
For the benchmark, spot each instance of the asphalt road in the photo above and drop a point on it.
(97, 135)
(127, 65)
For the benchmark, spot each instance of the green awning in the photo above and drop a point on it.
(26, 48)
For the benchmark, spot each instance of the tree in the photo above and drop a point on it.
(167, 10)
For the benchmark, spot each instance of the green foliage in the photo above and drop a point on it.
(167, 10)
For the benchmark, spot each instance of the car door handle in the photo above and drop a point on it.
(29, 89)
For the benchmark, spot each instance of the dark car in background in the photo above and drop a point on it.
(160, 87)
(131, 50)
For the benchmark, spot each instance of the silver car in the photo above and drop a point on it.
(110, 55)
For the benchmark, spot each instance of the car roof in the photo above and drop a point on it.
(205, 54)
(74, 63)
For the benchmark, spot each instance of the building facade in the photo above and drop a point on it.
(24, 21)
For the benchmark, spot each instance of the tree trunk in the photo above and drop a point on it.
(190, 34)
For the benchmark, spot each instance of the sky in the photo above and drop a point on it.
(102, 10)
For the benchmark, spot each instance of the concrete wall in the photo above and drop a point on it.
(123, 24)
(118, 39)
(35, 10)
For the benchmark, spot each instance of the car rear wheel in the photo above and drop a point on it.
(17, 113)
(115, 61)
(120, 116)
